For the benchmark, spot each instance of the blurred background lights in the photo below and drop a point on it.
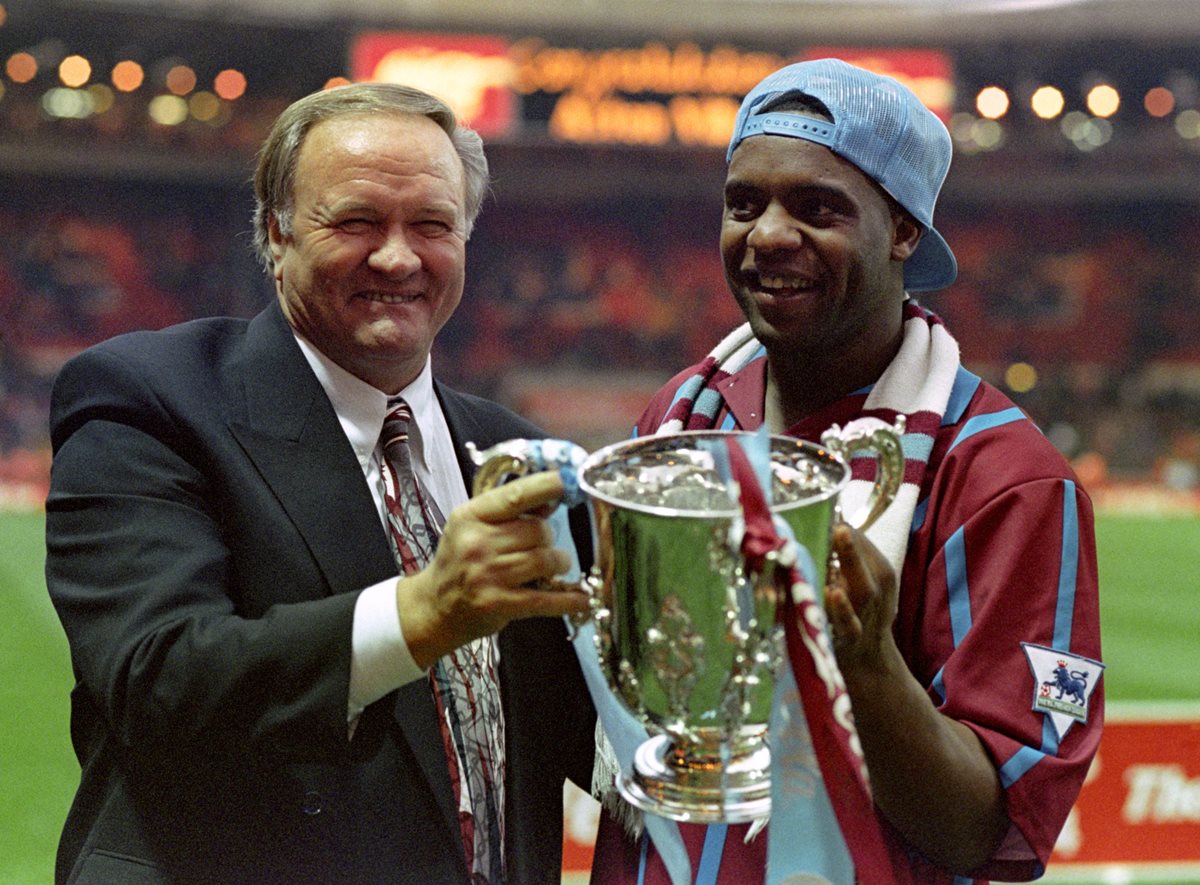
(49, 53)
(960, 126)
(1086, 133)
(973, 135)
(1103, 100)
(127, 75)
(230, 84)
(1187, 124)
(168, 110)
(74, 70)
(1047, 102)
(1183, 86)
(204, 106)
(1071, 122)
(988, 134)
(102, 97)
(992, 102)
(181, 80)
(987, 126)
(1159, 101)
(21, 67)
(1021, 377)
(64, 102)
(3, 18)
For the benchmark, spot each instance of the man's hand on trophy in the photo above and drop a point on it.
(491, 547)
(860, 602)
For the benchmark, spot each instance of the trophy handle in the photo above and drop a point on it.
(519, 457)
(885, 442)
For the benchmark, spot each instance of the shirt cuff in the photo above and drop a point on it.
(380, 660)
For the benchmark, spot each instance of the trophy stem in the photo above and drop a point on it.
(677, 783)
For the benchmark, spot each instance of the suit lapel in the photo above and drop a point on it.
(464, 427)
(290, 431)
(480, 422)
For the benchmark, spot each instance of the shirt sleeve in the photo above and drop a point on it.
(380, 659)
(1019, 570)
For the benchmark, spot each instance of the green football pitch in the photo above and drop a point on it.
(1148, 572)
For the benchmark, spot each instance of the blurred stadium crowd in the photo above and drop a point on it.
(1091, 321)
(124, 208)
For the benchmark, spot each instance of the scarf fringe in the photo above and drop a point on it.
(604, 787)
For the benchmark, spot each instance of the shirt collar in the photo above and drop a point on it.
(361, 407)
(745, 394)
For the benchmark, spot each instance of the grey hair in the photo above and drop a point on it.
(275, 175)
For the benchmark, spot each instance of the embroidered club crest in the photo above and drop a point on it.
(1062, 684)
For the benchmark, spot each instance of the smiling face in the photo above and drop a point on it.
(813, 252)
(373, 263)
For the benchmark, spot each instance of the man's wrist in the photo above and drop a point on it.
(411, 611)
(875, 675)
(380, 658)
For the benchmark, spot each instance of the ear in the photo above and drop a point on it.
(906, 234)
(276, 241)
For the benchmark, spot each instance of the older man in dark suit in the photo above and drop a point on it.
(258, 697)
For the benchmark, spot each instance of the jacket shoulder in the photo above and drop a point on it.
(161, 353)
(138, 371)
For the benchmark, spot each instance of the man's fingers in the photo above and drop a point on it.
(856, 545)
(520, 496)
(842, 618)
(513, 536)
(854, 578)
(515, 569)
(526, 603)
(865, 570)
(844, 544)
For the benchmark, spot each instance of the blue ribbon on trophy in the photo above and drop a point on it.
(799, 800)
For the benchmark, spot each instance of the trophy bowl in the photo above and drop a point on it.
(686, 634)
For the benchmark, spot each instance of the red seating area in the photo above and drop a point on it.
(1106, 310)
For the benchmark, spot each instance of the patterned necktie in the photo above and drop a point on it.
(464, 682)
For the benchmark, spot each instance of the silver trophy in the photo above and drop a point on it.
(686, 634)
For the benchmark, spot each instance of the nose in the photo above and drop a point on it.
(774, 229)
(394, 255)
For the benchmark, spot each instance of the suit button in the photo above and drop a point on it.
(313, 803)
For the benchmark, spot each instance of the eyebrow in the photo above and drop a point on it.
(734, 186)
(342, 203)
(351, 205)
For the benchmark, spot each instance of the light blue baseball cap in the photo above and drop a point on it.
(881, 127)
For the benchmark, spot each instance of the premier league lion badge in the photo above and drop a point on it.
(1062, 684)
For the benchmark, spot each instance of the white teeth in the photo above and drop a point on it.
(784, 283)
(394, 299)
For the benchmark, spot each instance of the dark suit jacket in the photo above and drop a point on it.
(206, 527)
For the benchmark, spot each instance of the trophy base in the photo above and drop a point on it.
(672, 785)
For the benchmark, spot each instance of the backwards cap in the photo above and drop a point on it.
(878, 125)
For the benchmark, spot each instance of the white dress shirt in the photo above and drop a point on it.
(380, 659)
